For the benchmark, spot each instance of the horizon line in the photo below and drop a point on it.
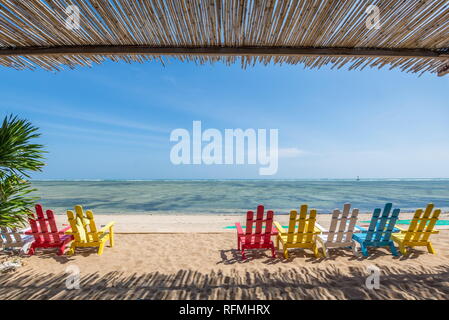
(245, 179)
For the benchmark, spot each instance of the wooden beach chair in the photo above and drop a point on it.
(304, 236)
(85, 232)
(259, 238)
(46, 233)
(419, 230)
(379, 231)
(340, 231)
(11, 238)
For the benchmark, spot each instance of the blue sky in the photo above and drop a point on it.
(113, 121)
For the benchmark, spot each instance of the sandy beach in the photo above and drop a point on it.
(202, 263)
(201, 223)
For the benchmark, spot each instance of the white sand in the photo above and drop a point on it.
(197, 223)
(208, 266)
(194, 257)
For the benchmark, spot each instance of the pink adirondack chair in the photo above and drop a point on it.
(260, 239)
(45, 232)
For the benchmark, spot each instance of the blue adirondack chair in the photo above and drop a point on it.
(379, 231)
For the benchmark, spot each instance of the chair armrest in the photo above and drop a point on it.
(64, 230)
(321, 228)
(274, 231)
(239, 229)
(361, 228)
(279, 227)
(24, 231)
(106, 227)
(400, 229)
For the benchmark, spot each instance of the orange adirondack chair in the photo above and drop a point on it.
(45, 232)
(260, 239)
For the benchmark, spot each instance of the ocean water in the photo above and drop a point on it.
(238, 196)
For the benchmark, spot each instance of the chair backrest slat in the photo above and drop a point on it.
(44, 227)
(259, 235)
(302, 224)
(268, 226)
(301, 229)
(259, 222)
(292, 226)
(310, 226)
(93, 233)
(53, 227)
(249, 226)
(351, 226)
(431, 225)
(413, 225)
(335, 218)
(373, 224)
(72, 221)
(83, 225)
(343, 220)
(10, 237)
(382, 225)
(422, 224)
(386, 235)
(342, 225)
(6, 235)
(42, 223)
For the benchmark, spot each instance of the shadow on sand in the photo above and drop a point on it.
(300, 283)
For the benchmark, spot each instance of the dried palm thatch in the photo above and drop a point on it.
(414, 34)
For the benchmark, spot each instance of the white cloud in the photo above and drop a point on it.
(291, 153)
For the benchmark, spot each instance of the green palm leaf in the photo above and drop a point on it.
(18, 156)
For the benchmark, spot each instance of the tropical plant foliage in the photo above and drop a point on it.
(19, 156)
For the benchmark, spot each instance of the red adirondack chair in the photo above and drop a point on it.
(260, 239)
(45, 232)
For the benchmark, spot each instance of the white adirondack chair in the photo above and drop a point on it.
(11, 238)
(340, 231)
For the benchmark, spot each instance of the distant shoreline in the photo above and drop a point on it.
(218, 180)
(215, 197)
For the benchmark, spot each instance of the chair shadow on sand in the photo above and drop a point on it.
(50, 253)
(296, 283)
(233, 256)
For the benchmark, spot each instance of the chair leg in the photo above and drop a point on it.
(277, 242)
(430, 248)
(285, 253)
(26, 247)
(239, 247)
(393, 249)
(364, 250)
(273, 251)
(31, 250)
(111, 237)
(243, 254)
(61, 249)
(101, 248)
(402, 249)
(354, 248)
(72, 249)
(315, 250)
(324, 248)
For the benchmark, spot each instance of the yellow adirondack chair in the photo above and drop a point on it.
(419, 231)
(302, 237)
(85, 231)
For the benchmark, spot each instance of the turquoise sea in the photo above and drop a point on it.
(238, 196)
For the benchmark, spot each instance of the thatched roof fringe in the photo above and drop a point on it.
(33, 33)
